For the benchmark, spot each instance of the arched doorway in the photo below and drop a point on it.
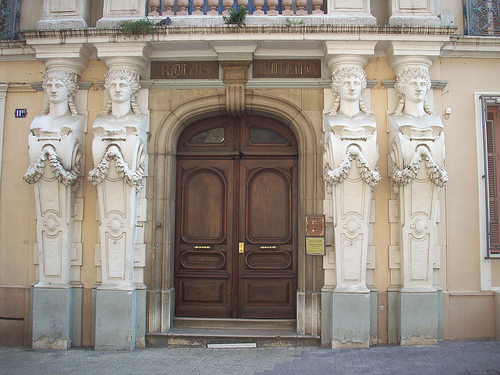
(236, 219)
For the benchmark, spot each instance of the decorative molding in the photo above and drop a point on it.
(36, 170)
(338, 175)
(403, 177)
(132, 177)
(435, 84)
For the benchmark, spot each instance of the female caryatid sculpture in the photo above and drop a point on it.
(350, 173)
(119, 153)
(55, 151)
(417, 172)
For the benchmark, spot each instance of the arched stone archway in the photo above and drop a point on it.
(165, 132)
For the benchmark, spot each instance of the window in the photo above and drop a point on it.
(491, 132)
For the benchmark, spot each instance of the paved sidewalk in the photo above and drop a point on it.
(449, 357)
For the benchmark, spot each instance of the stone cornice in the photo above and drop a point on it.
(264, 30)
(472, 47)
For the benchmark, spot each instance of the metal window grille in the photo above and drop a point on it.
(482, 17)
(10, 13)
(491, 139)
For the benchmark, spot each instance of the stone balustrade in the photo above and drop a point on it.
(216, 7)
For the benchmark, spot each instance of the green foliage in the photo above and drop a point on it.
(236, 17)
(295, 22)
(139, 27)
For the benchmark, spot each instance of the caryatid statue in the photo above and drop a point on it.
(55, 151)
(350, 173)
(417, 171)
(119, 153)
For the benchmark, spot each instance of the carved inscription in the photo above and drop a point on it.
(184, 70)
(286, 69)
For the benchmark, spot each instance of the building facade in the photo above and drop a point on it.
(327, 167)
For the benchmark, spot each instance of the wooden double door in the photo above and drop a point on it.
(236, 219)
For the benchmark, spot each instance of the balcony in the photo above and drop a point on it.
(9, 18)
(482, 17)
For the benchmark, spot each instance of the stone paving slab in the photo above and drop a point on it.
(448, 357)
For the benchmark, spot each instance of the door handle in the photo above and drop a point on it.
(241, 247)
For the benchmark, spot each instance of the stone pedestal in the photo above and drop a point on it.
(68, 14)
(115, 319)
(351, 12)
(117, 11)
(351, 320)
(412, 13)
(56, 317)
(419, 318)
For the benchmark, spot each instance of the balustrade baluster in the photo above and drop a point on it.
(242, 3)
(183, 5)
(272, 4)
(227, 4)
(259, 4)
(154, 5)
(287, 5)
(301, 7)
(317, 4)
(198, 4)
(169, 7)
(213, 4)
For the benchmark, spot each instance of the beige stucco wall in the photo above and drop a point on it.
(459, 228)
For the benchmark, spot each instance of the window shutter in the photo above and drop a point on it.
(493, 173)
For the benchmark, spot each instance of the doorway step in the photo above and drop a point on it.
(202, 332)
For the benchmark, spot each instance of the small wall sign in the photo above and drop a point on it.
(20, 113)
(184, 69)
(315, 245)
(315, 234)
(287, 68)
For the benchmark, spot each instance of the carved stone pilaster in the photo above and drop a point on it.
(235, 78)
(416, 157)
(119, 151)
(56, 154)
(350, 174)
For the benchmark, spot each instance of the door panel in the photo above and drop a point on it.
(236, 183)
(268, 268)
(204, 220)
(203, 252)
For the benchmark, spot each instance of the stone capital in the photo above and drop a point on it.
(339, 54)
(234, 52)
(411, 54)
(72, 57)
(129, 56)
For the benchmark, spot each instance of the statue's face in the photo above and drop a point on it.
(415, 90)
(119, 90)
(350, 89)
(56, 91)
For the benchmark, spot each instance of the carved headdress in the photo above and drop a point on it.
(69, 80)
(339, 75)
(403, 78)
(133, 80)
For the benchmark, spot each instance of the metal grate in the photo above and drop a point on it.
(10, 14)
(482, 17)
